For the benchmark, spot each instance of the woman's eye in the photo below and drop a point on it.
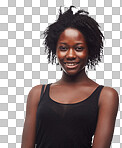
(79, 48)
(62, 48)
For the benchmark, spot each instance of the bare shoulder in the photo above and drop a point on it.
(34, 94)
(35, 90)
(109, 91)
(108, 96)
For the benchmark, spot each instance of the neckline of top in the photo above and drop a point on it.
(56, 102)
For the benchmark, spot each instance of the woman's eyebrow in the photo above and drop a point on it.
(63, 43)
(78, 43)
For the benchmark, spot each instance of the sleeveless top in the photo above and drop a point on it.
(61, 125)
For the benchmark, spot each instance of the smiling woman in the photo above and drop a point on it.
(69, 112)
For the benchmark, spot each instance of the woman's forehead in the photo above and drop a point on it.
(71, 34)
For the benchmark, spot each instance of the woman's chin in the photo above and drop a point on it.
(73, 72)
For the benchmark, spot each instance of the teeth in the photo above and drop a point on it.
(71, 64)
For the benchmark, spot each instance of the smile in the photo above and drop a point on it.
(71, 65)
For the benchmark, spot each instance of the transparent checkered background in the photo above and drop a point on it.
(23, 63)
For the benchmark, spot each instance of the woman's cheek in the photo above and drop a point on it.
(61, 55)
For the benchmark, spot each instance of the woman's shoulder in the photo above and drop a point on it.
(108, 95)
(34, 94)
(37, 88)
(109, 91)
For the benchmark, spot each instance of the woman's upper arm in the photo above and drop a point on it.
(108, 107)
(28, 137)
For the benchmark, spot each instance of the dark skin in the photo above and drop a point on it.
(71, 47)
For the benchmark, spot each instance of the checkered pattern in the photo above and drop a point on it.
(23, 63)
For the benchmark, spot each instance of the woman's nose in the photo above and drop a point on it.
(71, 53)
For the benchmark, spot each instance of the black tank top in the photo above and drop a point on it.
(61, 125)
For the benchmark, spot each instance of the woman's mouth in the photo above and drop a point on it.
(71, 65)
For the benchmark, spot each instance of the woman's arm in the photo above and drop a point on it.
(28, 137)
(108, 107)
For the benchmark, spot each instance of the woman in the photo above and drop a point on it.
(72, 110)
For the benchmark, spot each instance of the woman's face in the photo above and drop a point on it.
(72, 51)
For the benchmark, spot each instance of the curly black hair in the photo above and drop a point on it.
(82, 22)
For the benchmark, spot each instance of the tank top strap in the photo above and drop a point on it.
(42, 91)
(47, 88)
(46, 91)
(98, 91)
